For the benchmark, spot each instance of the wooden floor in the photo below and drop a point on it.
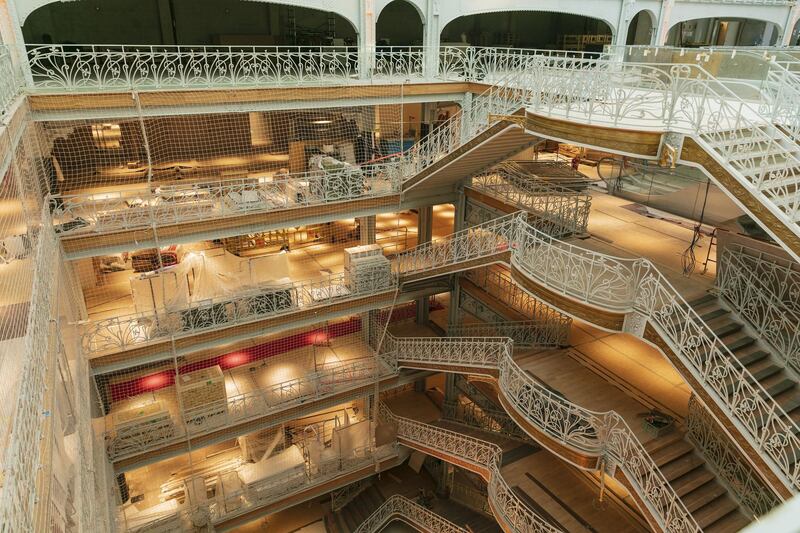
(110, 295)
(559, 491)
(567, 496)
(635, 367)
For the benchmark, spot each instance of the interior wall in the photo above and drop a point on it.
(523, 29)
(640, 29)
(726, 32)
(232, 22)
(399, 24)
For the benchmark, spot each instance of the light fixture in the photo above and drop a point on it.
(321, 121)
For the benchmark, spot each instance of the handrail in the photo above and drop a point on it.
(484, 456)
(604, 435)
(10, 84)
(138, 329)
(408, 511)
(109, 67)
(740, 281)
(236, 409)
(145, 207)
(563, 212)
(631, 286)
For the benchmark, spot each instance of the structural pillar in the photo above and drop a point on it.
(366, 38)
(424, 235)
(663, 25)
(431, 39)
(788, 29)
(466, 113)
(626, 13)
(366, 227)
(11, 36)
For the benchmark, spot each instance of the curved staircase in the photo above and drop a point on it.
(633, 295)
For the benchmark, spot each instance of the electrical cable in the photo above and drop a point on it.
(688, 258)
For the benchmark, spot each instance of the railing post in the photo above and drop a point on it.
(466, 117)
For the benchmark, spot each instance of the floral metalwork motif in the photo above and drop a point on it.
(159, 206)
(409, 511)
(756, 285)
(605, 435)
(558, 212)
(129, 331)
(624, 285)
(486, 460)
(731, 468)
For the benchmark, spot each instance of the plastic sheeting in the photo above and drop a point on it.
(207, 275)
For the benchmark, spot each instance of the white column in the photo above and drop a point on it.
(466, 113)
(663, 25)
(626, 13)
(366, 38)
(431, 39)
(11, 36)
(788, 29)
(424, 235)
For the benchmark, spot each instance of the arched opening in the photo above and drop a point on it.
(641, 28)
(722, 32)
(399, 24)
(186, 22)
(529, 29)
(794, 39)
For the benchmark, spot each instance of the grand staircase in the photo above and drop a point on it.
(570, 277)
(359, 509)
(697, 486)
(778, 383)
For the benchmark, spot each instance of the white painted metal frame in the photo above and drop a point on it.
(21, 458)
(122, 333)
(401, 508)
(737, 475)
(748, 281)
(485, 456)
(627, 286)
(605, 435)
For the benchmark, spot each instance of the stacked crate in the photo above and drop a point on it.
(203, 397)
(366, 268)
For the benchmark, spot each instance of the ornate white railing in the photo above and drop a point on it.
(605, 435)
(240, 408)
(559, 212)
(507, 95)
(134, 330)
(341, 497)
(524, 333)
(498, 283)
(472, 243)
(148, 207)
(115, 67)
(494, 420)
(743, 281)
(681, 98)
(409, 511)
(276, 488)
(270, 490)
(731, 468)
(633, 286)
(456, 352)
(73, 68)
(486, 457)
(10, 84)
